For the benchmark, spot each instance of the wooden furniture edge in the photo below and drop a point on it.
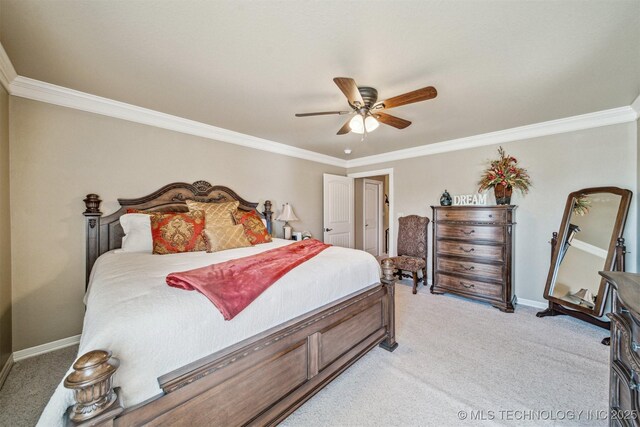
(105, 233)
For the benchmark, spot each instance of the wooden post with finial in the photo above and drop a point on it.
(92, 219)
(92, 385)
(268, 214)
(389, 308)
(621, 251)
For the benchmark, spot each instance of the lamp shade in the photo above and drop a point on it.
(287, 214)
(359, 123)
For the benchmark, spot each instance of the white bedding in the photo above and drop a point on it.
(154, 329)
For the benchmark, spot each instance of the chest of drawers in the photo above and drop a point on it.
(473, 253)
(624, 377)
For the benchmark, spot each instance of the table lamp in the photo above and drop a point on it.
(287, 215)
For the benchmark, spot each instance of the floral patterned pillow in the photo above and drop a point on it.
(254, 228)
(178, 232)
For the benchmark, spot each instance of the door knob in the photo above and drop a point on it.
(328, 229)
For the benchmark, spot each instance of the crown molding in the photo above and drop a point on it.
(7, 72)
(552, 127)
(45, 92)
(25, 87)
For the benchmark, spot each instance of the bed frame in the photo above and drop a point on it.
(258, 381)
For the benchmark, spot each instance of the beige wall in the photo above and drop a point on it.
(559, 164)
(59, 155)
(5, 232)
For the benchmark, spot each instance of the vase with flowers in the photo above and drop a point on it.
(503, 175)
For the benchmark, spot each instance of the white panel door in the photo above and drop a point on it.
(372, 216)
(339, 210)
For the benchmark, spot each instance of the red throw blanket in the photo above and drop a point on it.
(233, 285)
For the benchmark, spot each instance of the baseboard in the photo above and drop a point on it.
(45, 348)
(532, 303)
(4, 372)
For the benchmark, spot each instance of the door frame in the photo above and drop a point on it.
(392, 219)
(380, 186)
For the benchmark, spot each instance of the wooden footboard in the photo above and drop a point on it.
(259, 381)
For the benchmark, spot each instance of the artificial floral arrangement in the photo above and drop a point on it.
(503, 175)
(581, 205)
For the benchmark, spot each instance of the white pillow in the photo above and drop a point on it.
(137, 233)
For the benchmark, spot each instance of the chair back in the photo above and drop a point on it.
(412, 236)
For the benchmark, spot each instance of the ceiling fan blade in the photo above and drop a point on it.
(423, 94)
(324, 113)
(349, 87)
(390, 120)
(345, 128)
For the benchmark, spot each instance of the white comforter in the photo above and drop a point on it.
(154, 329)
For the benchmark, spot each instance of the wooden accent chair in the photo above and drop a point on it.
(412, 248)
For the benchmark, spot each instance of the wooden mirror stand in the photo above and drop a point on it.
(589, 238)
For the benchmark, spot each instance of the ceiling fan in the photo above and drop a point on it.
(369, 111)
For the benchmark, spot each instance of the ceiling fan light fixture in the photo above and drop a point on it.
(358, 124)
(371, 123)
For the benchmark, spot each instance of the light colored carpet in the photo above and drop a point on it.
(454, 355)
(30, 384)
(459, 355)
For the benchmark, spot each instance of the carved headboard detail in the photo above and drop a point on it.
(105, 233)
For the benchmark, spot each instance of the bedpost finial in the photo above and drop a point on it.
(268, 215)
(387, 270)
(92, 202)
(92, 384)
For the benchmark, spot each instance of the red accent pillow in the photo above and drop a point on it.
(254, 228)
(178, 232)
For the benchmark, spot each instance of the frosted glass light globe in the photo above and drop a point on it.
(357, 124)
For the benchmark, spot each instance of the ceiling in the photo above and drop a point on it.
(249, 66)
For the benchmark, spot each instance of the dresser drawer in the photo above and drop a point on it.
(474, 287)
(490, 252)
(470, 232)
(488, 271)
(626, 349)
(475, 215)
(623, 399)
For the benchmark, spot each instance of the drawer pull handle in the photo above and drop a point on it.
(468, 233)
(633, 385)
(467, 250)
(467, 268)
(635, 346)
(468, 286)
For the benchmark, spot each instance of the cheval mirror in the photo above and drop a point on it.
(589, 240)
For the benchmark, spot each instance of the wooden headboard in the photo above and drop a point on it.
(105, 233)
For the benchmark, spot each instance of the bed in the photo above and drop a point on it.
(180, 363)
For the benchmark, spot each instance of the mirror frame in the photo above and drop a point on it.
(618, 230)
